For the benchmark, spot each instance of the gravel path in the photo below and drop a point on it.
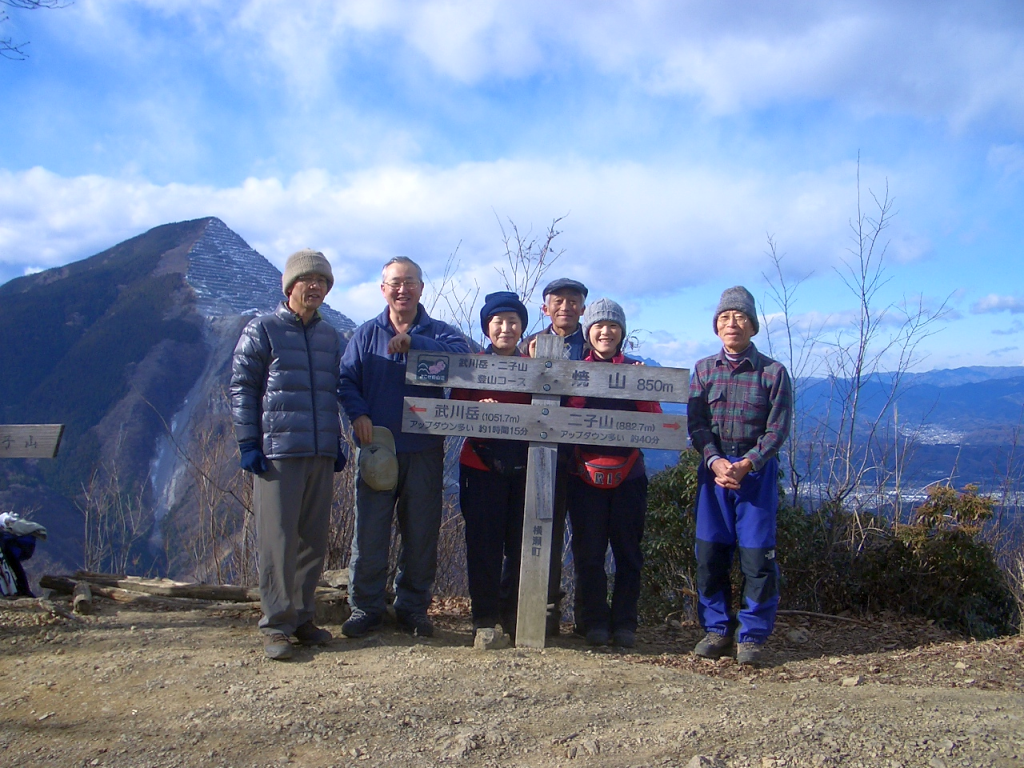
(133, 687)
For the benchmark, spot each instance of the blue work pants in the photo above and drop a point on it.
(743, 520)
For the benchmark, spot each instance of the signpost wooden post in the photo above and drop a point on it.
(30, 441)
(546, 425)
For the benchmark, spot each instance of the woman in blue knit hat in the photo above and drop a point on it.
(492, 483)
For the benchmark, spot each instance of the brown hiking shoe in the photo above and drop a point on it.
(276, 646)
(713, 646)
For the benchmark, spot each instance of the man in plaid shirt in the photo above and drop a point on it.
(738, 417)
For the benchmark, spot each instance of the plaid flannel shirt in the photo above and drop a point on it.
(751, 404)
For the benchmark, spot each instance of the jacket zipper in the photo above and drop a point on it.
(312, 388)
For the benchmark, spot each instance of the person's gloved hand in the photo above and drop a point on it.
(342, 460)
(252, 458)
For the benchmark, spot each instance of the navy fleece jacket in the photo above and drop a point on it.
(373, 382)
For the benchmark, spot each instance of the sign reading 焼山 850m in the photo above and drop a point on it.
(548, 377)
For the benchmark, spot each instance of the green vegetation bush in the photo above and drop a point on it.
(669, 574)
(833, 561)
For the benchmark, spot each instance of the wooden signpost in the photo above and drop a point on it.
(545, 424)
(30, 441)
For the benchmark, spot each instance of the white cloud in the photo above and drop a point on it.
(939, 59)
(631, 230)
(996, 303)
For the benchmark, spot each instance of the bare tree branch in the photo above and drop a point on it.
(16, 51)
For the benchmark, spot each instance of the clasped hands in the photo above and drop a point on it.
(729, 475)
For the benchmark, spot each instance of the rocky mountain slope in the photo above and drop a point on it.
(127, 348)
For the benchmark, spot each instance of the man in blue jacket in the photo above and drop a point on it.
(284, 404)
(372, 391)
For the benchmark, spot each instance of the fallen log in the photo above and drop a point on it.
(331, 603)
(170, 588)
(66, 585)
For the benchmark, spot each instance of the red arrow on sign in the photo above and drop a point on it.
(673, 425)
(414, 409)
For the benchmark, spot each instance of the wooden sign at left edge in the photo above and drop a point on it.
(30, 441)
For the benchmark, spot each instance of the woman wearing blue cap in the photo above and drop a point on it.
(492, 483)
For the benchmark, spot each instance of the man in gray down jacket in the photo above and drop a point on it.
(372, 392)
(284, 402)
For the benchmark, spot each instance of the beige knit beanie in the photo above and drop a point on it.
(306, 262)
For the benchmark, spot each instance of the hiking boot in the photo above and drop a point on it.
(276, 646)
(310, 634)
(361, 623)
(417, 623)
(624, 638)
(713, 646)
(749, 653)
(597, 636)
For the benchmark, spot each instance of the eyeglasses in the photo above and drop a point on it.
(735, 318)
(312, 279)
(409, 282)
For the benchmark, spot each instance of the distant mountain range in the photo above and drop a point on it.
(964, 423)
(129, 349)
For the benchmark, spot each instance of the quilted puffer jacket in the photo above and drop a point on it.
(284, 385)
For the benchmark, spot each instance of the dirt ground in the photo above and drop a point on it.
(135, 686)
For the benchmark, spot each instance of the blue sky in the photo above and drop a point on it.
(674, 138)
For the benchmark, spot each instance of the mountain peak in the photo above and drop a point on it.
(230, 278)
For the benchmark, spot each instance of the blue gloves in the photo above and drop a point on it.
(252, 458)
(342, 460)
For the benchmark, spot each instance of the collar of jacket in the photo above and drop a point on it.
(618, 359)
(384, 320)
(285, 313)
(577, 332)
(490, 351)
(750, 354)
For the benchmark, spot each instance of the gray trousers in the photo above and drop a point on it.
(293, 514)
(416, 502)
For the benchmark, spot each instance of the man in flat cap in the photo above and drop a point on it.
(738, 417)
(284, 404)
(564, 304)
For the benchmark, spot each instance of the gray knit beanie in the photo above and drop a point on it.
(306, 262)
(603, 310)
(739, 299)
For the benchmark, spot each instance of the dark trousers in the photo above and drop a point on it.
(742, 520)
(416, 504)
(492, 506)
(601, 517)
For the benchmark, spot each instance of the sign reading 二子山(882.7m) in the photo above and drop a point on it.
(549, 377)
(544, 423)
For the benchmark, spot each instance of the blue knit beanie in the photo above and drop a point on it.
(502, 301)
